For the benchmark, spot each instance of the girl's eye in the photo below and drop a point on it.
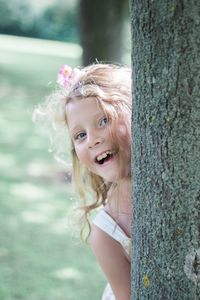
(103, 121)
(80, 136)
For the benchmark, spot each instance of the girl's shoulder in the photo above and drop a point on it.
(105, 227)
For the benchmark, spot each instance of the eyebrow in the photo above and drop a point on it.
(79, 125)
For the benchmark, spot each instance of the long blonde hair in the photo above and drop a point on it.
(110, 85)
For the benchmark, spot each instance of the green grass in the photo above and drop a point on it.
(40, 259)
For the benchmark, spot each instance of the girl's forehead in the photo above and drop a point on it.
(83, 105)
(79, 111)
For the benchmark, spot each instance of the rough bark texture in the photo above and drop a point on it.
(101, 24)
(166, 149)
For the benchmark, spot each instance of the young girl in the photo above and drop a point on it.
(95, 104)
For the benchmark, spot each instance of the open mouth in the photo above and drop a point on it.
(104, 157)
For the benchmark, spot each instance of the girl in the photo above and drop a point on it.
(95, 104)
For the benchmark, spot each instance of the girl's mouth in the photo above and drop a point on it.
(105, 157)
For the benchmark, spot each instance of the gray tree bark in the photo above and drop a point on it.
(101, 24)
(166, 149)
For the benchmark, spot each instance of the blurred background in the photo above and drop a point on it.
(41, 257)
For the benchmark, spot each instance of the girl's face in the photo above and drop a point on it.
(90, 133)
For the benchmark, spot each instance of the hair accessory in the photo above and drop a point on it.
(66, 74)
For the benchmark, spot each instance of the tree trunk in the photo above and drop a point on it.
(166, 149)
(101, 24)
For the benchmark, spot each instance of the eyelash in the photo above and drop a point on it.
(104, 118)
(78, 135)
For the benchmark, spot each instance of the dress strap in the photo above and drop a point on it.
(106, 223)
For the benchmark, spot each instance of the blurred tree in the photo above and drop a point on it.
(166, 148)
(57, 21)
(15, 17)
(101, 29)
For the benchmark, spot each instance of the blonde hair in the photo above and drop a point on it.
(110, 85)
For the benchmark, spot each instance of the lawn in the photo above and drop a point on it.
(41, 257)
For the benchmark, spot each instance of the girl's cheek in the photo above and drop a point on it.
(76, 151)
(79, 154)
(122, 130)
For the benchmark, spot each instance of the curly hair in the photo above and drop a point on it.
(110, 86)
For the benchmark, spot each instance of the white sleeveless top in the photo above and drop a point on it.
(106, 223)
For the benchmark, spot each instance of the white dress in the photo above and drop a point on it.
(106, 223)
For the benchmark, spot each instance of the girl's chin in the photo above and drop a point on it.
(112, 179)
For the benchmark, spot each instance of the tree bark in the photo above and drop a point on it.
(101, 24)
(166, 149)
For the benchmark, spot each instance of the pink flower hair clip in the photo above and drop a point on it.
(66, 74)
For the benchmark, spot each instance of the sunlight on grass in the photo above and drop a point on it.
(67, 273)
(7, 91)
(60, 226)
(28, 191)
(39, 169)
(33, 142)
(3, 252)
(12, 132)
(38, 46)
(45, 208)
(34, 217)
(7, 160)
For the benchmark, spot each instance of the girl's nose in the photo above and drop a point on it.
(94, 141)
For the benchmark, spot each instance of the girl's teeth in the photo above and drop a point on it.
(103, 155)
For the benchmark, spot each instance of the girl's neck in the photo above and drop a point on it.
(123, 187)
(119, 204)
(119, 196)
